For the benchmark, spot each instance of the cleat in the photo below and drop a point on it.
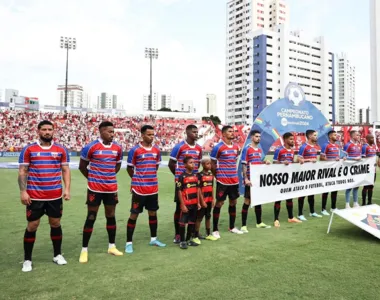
(301, 218)
(211, 238)
(183, 245)
(216, 235)
(197, 241)
(27, 266)
(244, 229)
(59, 260)
(83, 258)
(262, 225)
(356, 205)
(237, 231)
(294, 220)
(315, 215)
(114, 251)
(192, 243)
(201, 237)
(177, 239)
(348, 205)
(277, 224)
(325, 213)
(157, 243)
(129, 248)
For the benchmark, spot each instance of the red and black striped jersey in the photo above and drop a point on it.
(188, 185)
(206, 184)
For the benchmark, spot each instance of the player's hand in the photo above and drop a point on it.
(66, 195)
(203, 204)
(314, 161)
(337, 159)
(199, 206)
(286, 163)
(247, 182)
(25, 198)
(301, 161)
(344, 158)
(358, 158)
(184, 209)
(267, 162)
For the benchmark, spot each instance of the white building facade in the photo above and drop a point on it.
(107, 101)
(211, 104)
(158, 102)
(244, 16)
(345, 90)
(154, 103)
(75, 96)
(375, 59)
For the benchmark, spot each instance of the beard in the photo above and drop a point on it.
(46, 139)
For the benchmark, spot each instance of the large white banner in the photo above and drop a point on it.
(277, 182)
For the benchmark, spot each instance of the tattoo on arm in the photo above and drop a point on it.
(23, 178)
(245, 171)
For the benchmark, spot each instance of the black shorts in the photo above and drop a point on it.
(95, 198)
(150, 202)
(176, 193)
(247, 192)
(191, 216)
(205, 211)
(37, 209)
(222, 191)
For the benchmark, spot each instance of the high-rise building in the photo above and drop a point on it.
(107, 101)
(75, 96)
(345, 90)
(375, 59)
(244, 16)
(185, 106)
(166, 101)
(153, 105)
(158, 102)
(211, 104)
(364, 116)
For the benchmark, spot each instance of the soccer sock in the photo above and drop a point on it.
(208, 227)
(130, 229)
(190, 231)
(301, 201)
(355, 194)
(370, 192)
(177, 214)
(277, 208)
(153, 226)
(244, 214)
(364, 195)
(324, 200)
(310, 199)
(215, 220)
(289, 207)
(333, 199)
(56, 238)
(88, 228)
(29, 239)
(182, 229)
(258, 214)
(111, 229)
(232, 213)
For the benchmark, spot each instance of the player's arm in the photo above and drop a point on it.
(23, 172)
(66, 176)
(172, 165)
(322, 155)
(300, 158)
(83, 167)
(119, 160)
(214, 159)
(173, 158)
(130, 171)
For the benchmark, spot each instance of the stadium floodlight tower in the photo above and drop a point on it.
(67, 43)
(151, 53)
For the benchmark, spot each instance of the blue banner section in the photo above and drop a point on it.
(292, 114)
(10, 154)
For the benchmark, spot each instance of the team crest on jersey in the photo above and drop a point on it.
(91, 197)
(373, 221)
(55, 154)
(179, 184)
(188, 185)
(204, 183)
(100, 152)
(154, 155)
(114, 152)
(235, 151)
(28, 213)
(38, 154)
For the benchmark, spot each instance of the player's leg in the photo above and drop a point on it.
(152, 207)
(33, 214)
(137, 206)
(364, 194)
(347, 195)
(191, 225)
(334, 196)
(276, 211)
(301, 201)
(177, 213)
(311, 201)
(200, 214)
(245, 208)
(183, 221)
(209, 236)
(370, 193)
(54, 212)
(233, 195)
(355, 192)
(221, 196)
(324, 204)
(289, 208)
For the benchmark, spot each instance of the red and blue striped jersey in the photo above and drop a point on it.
(188, 185)
(308, 151)
(226, 157)
(352, 150)
(282, 154)
(368, 150)
(45, 170)
(251, 156)
(103, 160)
(330, 151)
(144, 161)
(180, 151)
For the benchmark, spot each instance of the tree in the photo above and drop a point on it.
(164, 109)
(214, 119)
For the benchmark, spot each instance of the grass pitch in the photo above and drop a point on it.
(297, 261)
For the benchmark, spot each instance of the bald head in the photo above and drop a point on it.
(370, 139)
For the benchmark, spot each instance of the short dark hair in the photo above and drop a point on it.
(331, 132)
(225, 128)
(44, 122)
(287, 135)
(352, 132)
(191, 127)
(253, 132)
(309, 132)
(105, 124)
(145, 128)
(186, 159)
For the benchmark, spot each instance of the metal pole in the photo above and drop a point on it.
(150, 91)
(67, 69)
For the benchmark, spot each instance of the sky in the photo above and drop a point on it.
(190, 35)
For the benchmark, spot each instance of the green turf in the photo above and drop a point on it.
(294, 262)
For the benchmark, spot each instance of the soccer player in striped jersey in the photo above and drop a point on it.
(100, 161)
(369, 149)
(285, 155)
(330, 152)
(188, 147)
(308, 153)
(251, 155)
(143, 162)
(224, 157)
(353, 151)
(41, 167)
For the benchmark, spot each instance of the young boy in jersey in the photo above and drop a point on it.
(187, 188)
(206, 200)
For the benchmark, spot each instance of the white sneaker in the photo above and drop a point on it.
(216, 234)
(237, 231)
(59, 260)
(302, 218)
(333, 210)
(348, 205)
(27, 266)
(356, 204)
(325, 213)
